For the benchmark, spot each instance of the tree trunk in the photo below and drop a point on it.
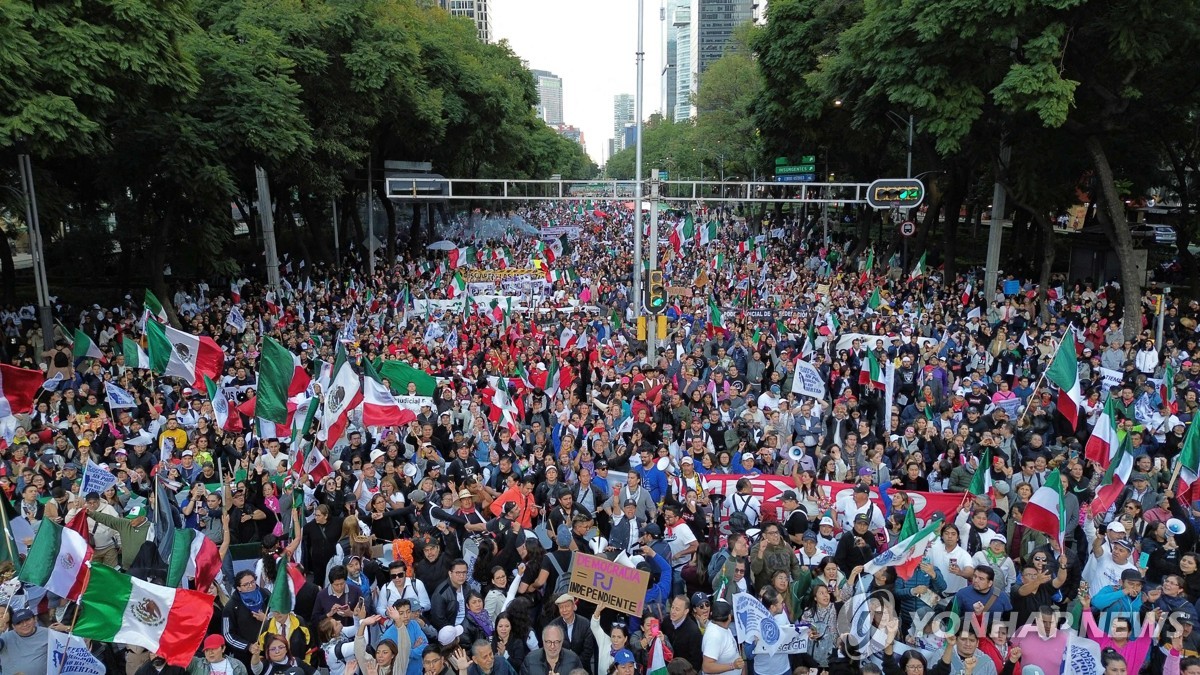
(1185, 228)
(954, 201)
(390, 209)
(921, 241)
(1118, 233)
(8, 272)
(157, 261)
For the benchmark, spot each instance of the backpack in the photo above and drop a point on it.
(739, 522)
(717, 563)
(562, 584)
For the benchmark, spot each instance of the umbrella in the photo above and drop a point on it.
(443, 245)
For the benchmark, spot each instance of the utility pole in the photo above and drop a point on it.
(37, 250)
(652, 321)
(370, 220)
(637, 186)
(995, 230)
(337, 249)
(268, 226)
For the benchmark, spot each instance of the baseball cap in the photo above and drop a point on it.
(629, 502)
(809, 536)
(563, 598)
(862, 518)
(214, 641)
(747, 456)
(789, 496)
(866, 471)
(418, 495)
(862, 489)
(1137, 477)
(827, 521)
(21, 616)
(1132, 575)
(699, 598)
(1116, 526)
(653, 530)
(622, 657)
(1124, 543)
(721, 610)
(448, 635)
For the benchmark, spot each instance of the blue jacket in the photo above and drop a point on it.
(655, 482)
(657, 594)
(904, 589)
(1111, 602)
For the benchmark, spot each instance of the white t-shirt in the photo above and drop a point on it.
(777, 663)
(1102, 571)
(940, 557)
(679, 537)
(747, 505)
(847, 510)
(718, 644)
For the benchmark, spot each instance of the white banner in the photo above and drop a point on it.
(1110, 378)
(96, 479)
(868, 341)
(414, 403)
(557, 232)
(1082, 657)
(807, 380)
(791, 641)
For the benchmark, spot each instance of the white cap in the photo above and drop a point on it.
(747, 456)
(1116, 526)
(827, 521)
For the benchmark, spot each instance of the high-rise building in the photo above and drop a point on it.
(760, 12)
(624, 112)
(667, 76)
(718, 19)
(681, 20)
(698, 32)
(550, 97)
(573, 133)
(475, 10)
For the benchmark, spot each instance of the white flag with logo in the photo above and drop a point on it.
(1082, 657)
(807, 380)
(118, 397)
(236, 320)
(69, 655)
(96, 479)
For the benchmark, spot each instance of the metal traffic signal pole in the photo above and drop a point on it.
(652, 330)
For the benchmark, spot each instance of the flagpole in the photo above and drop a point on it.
(74, 618)
(1042, 379)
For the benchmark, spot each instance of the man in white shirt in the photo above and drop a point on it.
(744, 502)
(719, 647)
(858, 502)
(679, 537)
(1105, 569)
(952, 561)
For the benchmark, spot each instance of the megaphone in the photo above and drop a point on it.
(663, 463)
(795, 453)
(1175, 526)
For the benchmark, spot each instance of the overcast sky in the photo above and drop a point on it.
(592, 46)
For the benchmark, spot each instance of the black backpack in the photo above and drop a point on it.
(739, 522)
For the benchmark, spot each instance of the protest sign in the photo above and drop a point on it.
(807, 380)
(69, 655)
(414, 403)
(607, 583)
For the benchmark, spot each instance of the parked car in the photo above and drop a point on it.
(1162, 234)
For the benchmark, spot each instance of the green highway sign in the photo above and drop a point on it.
(795, 168)
(780, 161)
(662, 175)
(808, 159)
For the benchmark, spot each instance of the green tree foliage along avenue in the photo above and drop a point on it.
(158, 112)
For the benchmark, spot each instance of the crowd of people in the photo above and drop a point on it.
(444, 546)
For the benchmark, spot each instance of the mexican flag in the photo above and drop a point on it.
(872, 373)
(874, 301)
(276, 368)
(175, 353)
(58, 560)
(399, 374)
(919, 270)
(1167, 389)
(1046, 512)
(316, 465)
(1064, 373)
(85, 347)
(194, 557)
(135, 356)
(18, 388)
(282, 598)
(220, 404)
(907, 553)
(1189, 463)
(1112, 485)
(1102, 444)
(379, 406)
(708, 234)
(344, 394)
(235, 291)
(152, 308)
(463, 256)
(868, 268)
(166, 621)
(981, 484)
(658, 658)
(458, 286)
(715, 317)
(503, 410)
(966, 295)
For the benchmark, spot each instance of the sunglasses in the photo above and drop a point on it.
(398, 576)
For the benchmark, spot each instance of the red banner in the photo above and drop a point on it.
(768, 489)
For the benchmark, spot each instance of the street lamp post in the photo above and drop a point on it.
(637, 185)
(37, 250)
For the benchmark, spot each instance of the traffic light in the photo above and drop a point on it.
(656, 293)
(886, 193)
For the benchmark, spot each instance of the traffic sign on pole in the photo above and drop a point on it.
(908, 228)
(888, 193)
(796, 178)
(795, 168)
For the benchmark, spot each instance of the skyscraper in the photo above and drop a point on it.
(550, 97)
(718, 19)
(624, 111)
(698, 32)
(476, 10)
(681, 20)
(667, 84)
